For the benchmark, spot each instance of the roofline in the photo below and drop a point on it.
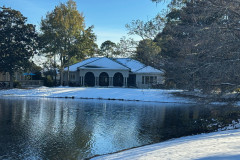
(120, 63)
(91, 61)
(103, 69)
(98, 58)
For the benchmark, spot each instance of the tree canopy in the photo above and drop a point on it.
(148, 52)
(18, 42)
(201, 44)
(63, 33)
(108, 48)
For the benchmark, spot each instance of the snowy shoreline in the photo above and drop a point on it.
(216, 145)
(121, 94)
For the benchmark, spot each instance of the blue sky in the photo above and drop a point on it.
(108, 16)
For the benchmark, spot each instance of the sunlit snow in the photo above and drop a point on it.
(127, 94)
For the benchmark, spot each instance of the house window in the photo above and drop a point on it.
(149, 79)
(142, 79)
(72, 76)
(155, 79)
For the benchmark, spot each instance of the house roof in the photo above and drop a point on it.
(149, 69)
(75, 66)
(138, 67)
(131, 63)
(118, 63)
(104, 63)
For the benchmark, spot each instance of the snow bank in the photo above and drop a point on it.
(213, 146)
(147, 95)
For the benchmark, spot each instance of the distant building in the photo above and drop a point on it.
(24, 80)
(5, 77)
(113, 72)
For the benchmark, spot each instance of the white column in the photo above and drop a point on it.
(96, 81)
(126, 82)
(111, 81)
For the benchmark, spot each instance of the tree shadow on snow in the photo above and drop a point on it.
(221, 157)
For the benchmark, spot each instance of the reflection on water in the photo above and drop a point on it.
(77, 129)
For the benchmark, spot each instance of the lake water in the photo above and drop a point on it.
(76, 129)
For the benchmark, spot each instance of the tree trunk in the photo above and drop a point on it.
(68, 76)
(55, 70)
(61, 77)
(11, 80)
(61, 70)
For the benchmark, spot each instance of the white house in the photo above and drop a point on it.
(113, 72)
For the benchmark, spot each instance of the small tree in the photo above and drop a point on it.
(148, 52)
(108, 48)
(18, 42)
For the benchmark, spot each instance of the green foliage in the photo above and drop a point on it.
(200, 43)
(48, 81)
(148, 52)
(18, 41)
(148, 49)
(63, 33)
(108, 49)
(17, 84)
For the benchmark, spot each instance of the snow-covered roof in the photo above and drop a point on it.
(104, 63)
(118, 63)
(138, 67)
(131, 63)
(76, 65)
(149, 69)
(97, 63)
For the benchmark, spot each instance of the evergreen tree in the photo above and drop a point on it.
(18, 42)
(202, 44)
(148, 52)
(108, 48)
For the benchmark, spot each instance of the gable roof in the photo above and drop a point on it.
(138, 67)
(131, 63)
(97, 63)
(104, 63)
(149, 69)
(76, 65)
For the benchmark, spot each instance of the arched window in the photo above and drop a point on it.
(89, 79)
(103, 79)
(118, 79)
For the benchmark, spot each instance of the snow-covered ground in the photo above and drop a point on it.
(128, 94)
(224, 145)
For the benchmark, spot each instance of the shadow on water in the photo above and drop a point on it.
(77, 129)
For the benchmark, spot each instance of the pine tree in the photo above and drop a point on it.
(202, 46)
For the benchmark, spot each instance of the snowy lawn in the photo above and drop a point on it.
(128, 94)
(224, 145)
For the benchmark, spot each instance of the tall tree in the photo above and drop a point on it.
(147, 50)
(63, 30)
(18, 42)
(203, 49)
